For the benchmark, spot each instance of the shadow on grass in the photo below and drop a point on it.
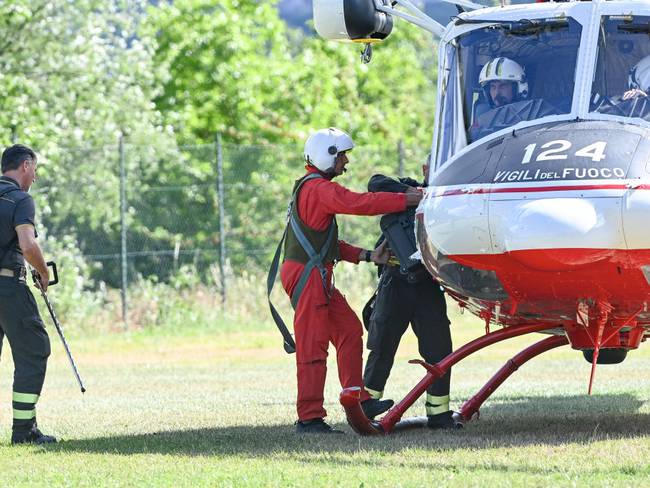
(508, 422)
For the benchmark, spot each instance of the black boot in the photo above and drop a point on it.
(32, 436)
(372, 407)
(315, 426)
(443, 420)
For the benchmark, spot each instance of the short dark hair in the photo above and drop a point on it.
(13, 157)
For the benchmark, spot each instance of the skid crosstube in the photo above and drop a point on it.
(472, 406)
(349, 397)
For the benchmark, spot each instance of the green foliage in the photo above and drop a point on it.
(235, 68)
(388, 100)
(75, 297)
(74, 76)
(221, 64)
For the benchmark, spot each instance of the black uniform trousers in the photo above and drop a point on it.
(399, 303)
(21, 323)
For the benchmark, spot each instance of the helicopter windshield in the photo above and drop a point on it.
(506, 73)
(622, 80)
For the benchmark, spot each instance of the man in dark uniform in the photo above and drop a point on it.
(415, 298)
(19, 317)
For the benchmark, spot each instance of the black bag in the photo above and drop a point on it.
(399, 229)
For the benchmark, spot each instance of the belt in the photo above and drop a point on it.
(19, 273)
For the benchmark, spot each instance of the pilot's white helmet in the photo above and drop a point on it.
(505, 69)
(323, 145)
(639, 76)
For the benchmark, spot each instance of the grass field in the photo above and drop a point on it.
(211, 408)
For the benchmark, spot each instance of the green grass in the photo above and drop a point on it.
(216, 409)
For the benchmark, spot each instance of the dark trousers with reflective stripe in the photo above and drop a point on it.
(21, 323)
(399, 303)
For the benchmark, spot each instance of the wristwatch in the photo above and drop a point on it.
(368, 253)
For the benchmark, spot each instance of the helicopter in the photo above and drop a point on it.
(534, 217)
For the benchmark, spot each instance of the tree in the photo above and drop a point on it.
(74, 76)
(235, 68)
(223, 64)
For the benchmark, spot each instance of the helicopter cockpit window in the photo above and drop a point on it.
(622, 79)
(451, 132)
(505, 74)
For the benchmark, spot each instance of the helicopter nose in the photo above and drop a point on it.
(566, 223)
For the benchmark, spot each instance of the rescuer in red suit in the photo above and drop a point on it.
(322, 314)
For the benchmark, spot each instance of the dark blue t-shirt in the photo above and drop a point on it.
(16, 208)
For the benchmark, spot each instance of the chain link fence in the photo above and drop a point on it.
(194, 214)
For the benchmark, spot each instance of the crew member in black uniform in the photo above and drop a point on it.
(413, 297)
(20, 321)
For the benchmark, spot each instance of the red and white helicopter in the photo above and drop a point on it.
(535, 216)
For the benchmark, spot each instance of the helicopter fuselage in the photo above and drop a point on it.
(537, 211)
(535, 217)
(528, 226)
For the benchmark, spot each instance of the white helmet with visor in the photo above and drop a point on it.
(639, 77)
(504, 69)
(323, 145)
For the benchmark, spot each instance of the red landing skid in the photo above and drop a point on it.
(362, 425)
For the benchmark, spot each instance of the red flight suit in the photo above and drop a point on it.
(317, 321)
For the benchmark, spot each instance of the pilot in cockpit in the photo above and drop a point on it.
(638, 81)
(503, 81)
(634, 101)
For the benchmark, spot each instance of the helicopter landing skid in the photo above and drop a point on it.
(350, 397)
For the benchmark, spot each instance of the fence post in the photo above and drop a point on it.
(400, 158)
(177, 252)
(125, 281)
(222, 217)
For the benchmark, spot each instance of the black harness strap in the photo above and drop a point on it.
(315, 260)
(289, 344)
